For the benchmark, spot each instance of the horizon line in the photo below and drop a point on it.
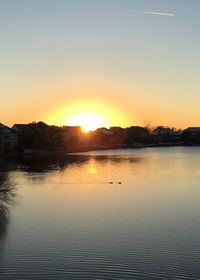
(107, 127)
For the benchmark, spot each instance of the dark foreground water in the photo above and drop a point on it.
(66, 220)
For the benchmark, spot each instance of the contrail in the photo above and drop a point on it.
(150, 12)
(157, 13)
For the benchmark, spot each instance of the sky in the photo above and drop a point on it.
(130, 62)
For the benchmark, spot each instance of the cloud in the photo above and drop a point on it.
(157, 13)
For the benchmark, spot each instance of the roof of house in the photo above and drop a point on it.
(4, 127)
(71, 127)
(161, 131)
(20, 125)
(104, 130)
(193, 129)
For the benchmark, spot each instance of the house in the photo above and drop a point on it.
(18, 127)
(70, 137)
(136, 134)
(34, 136)
(69, 132)
(101, 138)
(8, 138)
(193, 131)
(104, 130)
(162, 135)
(191, 135)
(119, 135)
(162, 131)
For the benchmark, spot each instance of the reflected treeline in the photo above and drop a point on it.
(40, 164)
(48, 164)
(60, 163)
(7, 197)
(117, 159)
(43, 165)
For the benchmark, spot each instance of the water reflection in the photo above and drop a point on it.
(7, 198)
(42, 165)
(70, 223)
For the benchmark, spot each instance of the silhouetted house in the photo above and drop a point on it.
(116, 129)
(177, 137)
(162, 131)
(161, 134)
(18, 127)
(136, 135)
(119, 136)
(8, 138)
(71, 131)
(191, 135)
(101, 138)
(104, 130)
(55, 138)
(35, 136)
(71, 137)
(194, 131)
(40, 136)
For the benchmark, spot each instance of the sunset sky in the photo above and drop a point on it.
(128, 62)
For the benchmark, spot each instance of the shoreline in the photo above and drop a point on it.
(29, 153)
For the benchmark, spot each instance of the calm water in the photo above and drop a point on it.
(65, 220)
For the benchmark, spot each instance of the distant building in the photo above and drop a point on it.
(162, 135)
(104, 130)
(18, 127)
(119, 136)
(191, 135)
(136, 134)
(71, 131)
(194, 131)
(8, 138)
(117, 129)
(33, 136)
(162, 131)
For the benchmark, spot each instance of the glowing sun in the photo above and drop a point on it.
(87, 121)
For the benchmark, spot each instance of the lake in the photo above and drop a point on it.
(120, 214)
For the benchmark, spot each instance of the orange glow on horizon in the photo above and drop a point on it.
(87, 121)
(88, 114)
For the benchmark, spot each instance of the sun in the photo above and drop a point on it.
(88, 114)
(87, 121)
